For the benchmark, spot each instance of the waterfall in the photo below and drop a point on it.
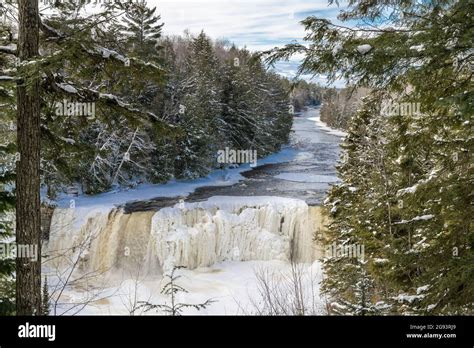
(193, 235)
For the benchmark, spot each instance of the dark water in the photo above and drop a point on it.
(306, 175)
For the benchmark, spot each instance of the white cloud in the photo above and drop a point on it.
(255, 24)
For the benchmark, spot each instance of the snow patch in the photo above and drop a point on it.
(363, 49)
(67, 87)
(323, 126)
(305, 177)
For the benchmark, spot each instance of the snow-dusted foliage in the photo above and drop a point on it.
(406, 166)
(158, 108)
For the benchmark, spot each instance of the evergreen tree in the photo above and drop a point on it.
(158, 102)
(71, 53)
(141, 28)
(172, 289)
(45, 298)
(110, 147)
(7, 179)
(201, 110)
(407, 175)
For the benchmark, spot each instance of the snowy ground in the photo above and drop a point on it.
(324, 127)
(232, 285)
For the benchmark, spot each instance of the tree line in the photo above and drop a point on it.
(406, 166)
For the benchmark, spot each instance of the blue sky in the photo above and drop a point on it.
(256, 24)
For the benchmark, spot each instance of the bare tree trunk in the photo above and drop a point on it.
(28, 217)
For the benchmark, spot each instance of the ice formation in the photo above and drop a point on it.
(188, 234)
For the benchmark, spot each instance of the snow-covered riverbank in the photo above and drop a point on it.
(324, 127)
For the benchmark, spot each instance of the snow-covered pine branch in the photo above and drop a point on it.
(6, 77)
(10, 49)
(106, 53)
(56, 35)
(91, 95)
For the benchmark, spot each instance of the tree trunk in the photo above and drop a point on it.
(28, 216)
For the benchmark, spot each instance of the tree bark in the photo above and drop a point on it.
(28, 216)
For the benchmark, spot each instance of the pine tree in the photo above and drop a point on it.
(123, 124)
(7, 177)
(172, 289)
(350, 281)
(256, 105)
(67, 69)
(200, 111)
(27, 183)
(141, 28)
(406, 180)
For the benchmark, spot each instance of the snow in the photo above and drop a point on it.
(9, 48)
(232, 228)
(422, 289)
(380, 261)
(324, 127)
(107, 53)
(411, 189)
(381, 305)
(423, 217)
(305, 177)
(337, 49)
(188, 234)
(418, 48)
(417, 218)
(68, 140)
(232, 285)
(408, 298)
(67, 87)
(338, 305)
(363, 49)
(221, 241)
(224, 177)
(113, 98)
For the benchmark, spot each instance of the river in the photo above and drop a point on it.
(307, 174)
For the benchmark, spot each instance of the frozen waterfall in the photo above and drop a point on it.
(193, 235)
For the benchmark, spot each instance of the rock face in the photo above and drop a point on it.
(187, 234)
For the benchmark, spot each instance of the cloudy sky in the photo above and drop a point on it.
(256, 24)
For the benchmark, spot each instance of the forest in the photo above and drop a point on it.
(102, 101)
